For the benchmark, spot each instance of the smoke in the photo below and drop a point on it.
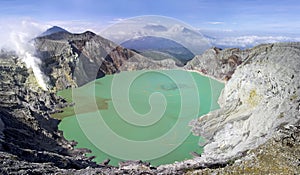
(17, 35)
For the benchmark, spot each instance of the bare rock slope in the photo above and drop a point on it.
(30, 142)
(261, 98)
(72, 60)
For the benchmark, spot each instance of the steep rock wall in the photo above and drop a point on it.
(72, 60)
(262, 96)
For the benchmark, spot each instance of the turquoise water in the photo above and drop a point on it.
(139, 115)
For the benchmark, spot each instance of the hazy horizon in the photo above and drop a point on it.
(237, 15)
(234, 23)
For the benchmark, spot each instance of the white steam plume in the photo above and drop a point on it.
(16, 35)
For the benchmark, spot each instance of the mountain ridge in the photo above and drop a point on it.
(71, 60)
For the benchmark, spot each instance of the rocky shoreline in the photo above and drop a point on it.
(31, 143)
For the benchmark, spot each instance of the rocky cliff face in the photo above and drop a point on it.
(261, 98)
(71, 60)
(29, 138)
(218, 63)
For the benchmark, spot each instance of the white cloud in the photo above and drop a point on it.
(251, 40)
(216, 22)
(27, 29)
(116, 20)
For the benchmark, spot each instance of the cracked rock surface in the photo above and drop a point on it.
(262, 96)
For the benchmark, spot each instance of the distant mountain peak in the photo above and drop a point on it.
(159, 48)
(54, 29)
(89, 33)
(156, 27)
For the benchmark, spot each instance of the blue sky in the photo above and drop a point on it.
(243, 15)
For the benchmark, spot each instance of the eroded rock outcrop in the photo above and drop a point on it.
(262, 96)
(218, 63)
(28, 135)
(71, 60)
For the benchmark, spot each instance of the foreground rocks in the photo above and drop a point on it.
(279, 155)
(261, 98)
(29, 138)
